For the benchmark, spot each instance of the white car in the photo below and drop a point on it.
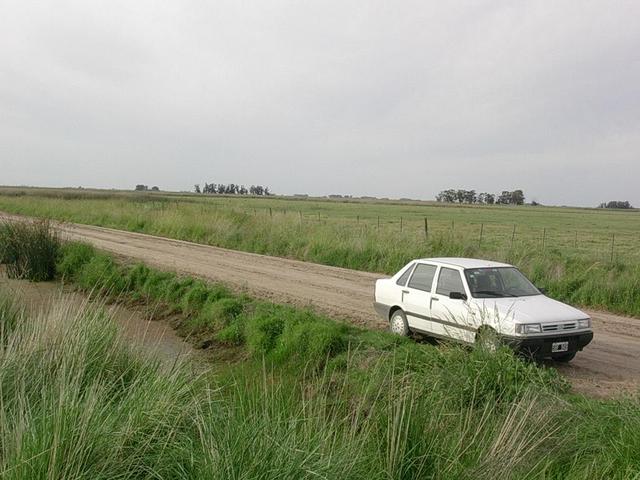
(469, 300)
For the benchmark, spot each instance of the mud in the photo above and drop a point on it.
(154, 337)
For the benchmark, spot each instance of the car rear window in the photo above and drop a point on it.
(422, 278)
(402, 280)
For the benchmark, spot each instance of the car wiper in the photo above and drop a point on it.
(495, 294)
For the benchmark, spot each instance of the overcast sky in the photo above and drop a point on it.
(394, 99)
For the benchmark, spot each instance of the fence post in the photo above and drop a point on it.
(544, 237)
(575, 240)
(513, 234)
(481, 230)
(400, 223)
(452, 227)
(378, 222)
(270, 213)
(613, 242)
(358, 219)
(426, 229)
(318, 217)
(300, 215)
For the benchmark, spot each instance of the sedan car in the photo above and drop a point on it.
(471, 301)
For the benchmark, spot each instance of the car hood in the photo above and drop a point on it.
(536, 309)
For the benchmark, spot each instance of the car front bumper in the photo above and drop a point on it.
(540, 346)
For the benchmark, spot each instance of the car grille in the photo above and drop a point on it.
(559, 327)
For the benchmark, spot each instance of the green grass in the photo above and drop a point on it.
(29, 250)
(574, 264)
(313, 398)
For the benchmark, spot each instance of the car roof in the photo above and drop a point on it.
(465, 262)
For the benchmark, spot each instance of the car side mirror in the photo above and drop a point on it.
(457, 296)
(542, 290)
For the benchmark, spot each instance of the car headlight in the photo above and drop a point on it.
(586, 323)
(528, 328)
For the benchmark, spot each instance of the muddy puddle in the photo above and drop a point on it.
(153, 336)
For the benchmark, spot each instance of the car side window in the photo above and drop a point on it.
(402, 280)
(422, 278)
(449, 281)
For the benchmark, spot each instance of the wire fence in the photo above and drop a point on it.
(612, 246)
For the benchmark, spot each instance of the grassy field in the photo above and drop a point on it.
(589, 257)
(307, 398)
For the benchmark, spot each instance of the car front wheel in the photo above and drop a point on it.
(399, 324)
(487, 339)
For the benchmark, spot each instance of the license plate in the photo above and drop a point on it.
(559, 347)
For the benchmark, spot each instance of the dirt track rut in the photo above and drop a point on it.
(610, 364)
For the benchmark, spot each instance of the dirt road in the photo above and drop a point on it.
(610, 364)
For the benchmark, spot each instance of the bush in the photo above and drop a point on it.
(30, 250)
(310, 340)
(103, 275)
(73, 256)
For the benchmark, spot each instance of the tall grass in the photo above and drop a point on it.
(77, 402)
(29, 250)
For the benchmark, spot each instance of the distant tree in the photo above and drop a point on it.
(486, 198)
(517, 197)
(470, 196)
(504, 198)
(196, 188)
(155, 189)
(447, 196)
(141, 188)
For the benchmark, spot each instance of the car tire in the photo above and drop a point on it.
(487, 339)
(398, 323)
(566, 358)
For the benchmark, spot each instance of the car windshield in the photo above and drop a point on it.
(499, 283)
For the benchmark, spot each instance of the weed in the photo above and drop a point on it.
(29, 250)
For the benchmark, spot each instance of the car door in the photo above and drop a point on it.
(416, 297)
(450, 317)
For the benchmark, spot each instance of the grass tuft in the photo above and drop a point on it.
(29, 250)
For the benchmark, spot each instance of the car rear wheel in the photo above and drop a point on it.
(567, 357)
(398, 323)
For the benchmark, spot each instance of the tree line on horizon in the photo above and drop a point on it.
(515, 197)
(232, 189)
(145, 188)
(625, 205)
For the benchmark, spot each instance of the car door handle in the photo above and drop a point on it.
(435, 299)
(406, 291)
